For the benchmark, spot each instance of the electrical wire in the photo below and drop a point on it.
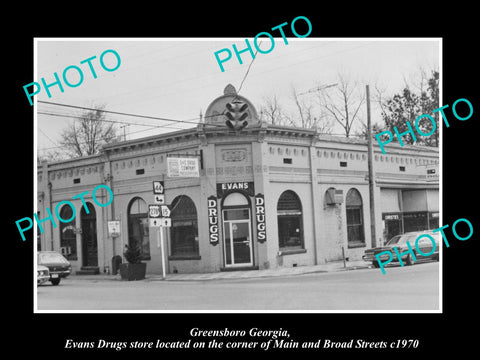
(128, 114)
(105, 120)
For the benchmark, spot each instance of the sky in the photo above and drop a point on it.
(178, 78)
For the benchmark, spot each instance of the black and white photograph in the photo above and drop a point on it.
(264, 170)
(242, 183)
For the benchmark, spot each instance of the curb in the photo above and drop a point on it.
(233, 275)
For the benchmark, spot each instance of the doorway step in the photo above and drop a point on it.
(239, 268)
(88, 270)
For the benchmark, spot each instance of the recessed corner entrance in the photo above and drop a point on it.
(237, 233)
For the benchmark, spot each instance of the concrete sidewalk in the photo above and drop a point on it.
(244, 274)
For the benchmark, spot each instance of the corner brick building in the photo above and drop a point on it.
(267, 196)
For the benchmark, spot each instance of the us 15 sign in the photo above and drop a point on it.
(165, 211)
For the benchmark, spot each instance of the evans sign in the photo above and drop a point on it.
(246, 187)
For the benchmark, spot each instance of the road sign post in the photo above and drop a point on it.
(162, 248)
(159, 217)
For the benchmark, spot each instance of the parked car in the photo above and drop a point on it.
(400, 241)
(58, 266)
(43, 274)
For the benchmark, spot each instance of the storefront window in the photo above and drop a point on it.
(355, 231)
(68, 238)
(184, 230)
(290, 223)
(393, 225)
(433, 220)
(415, 221)
(138, 231)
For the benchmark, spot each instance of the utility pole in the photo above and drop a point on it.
(371, 172)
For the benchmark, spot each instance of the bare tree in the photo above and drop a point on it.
(272, 111)
(49, 156)
(308, 119)
(85, 136)
(306, 114)
(343, 103)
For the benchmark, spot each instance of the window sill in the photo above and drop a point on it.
(291, 252)
(184, 257)
(357, 245)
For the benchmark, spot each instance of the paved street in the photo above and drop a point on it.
(401, 288)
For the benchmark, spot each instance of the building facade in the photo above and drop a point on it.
(267, 196)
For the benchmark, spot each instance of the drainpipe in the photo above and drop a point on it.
(315, 195)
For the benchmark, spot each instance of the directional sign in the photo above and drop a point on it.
(158, 187)
(159, 199)
(154, 211)
(155, 222)
(165, 211)
(165, 222)
(113, 228)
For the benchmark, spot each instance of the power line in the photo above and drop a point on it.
(53, 142)
(105, 120)
(124, 114)
(248, 70)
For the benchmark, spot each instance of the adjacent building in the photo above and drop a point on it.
(267, 196)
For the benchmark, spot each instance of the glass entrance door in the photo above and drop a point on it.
(237, 237)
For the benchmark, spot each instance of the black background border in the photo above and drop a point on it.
(46, 333)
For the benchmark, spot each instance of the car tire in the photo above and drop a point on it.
(375, 264)
(410, 260)
(55, 281)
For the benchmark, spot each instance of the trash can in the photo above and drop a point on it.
(116, 261)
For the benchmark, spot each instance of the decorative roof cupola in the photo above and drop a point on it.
(232, 111)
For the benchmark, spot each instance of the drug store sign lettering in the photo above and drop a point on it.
(260, 217)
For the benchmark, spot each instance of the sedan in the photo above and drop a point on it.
(43, 274)
(420, 249)
(58, 266)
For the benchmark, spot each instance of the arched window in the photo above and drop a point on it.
(138, 234)
(184, 230)
(355, 231)
(89, 236)
(68, 237)
(290, 223)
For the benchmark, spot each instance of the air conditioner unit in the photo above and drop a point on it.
(333, 196)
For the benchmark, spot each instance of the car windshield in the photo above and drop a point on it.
(45, 258)
(394, 240)
(402, 239)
